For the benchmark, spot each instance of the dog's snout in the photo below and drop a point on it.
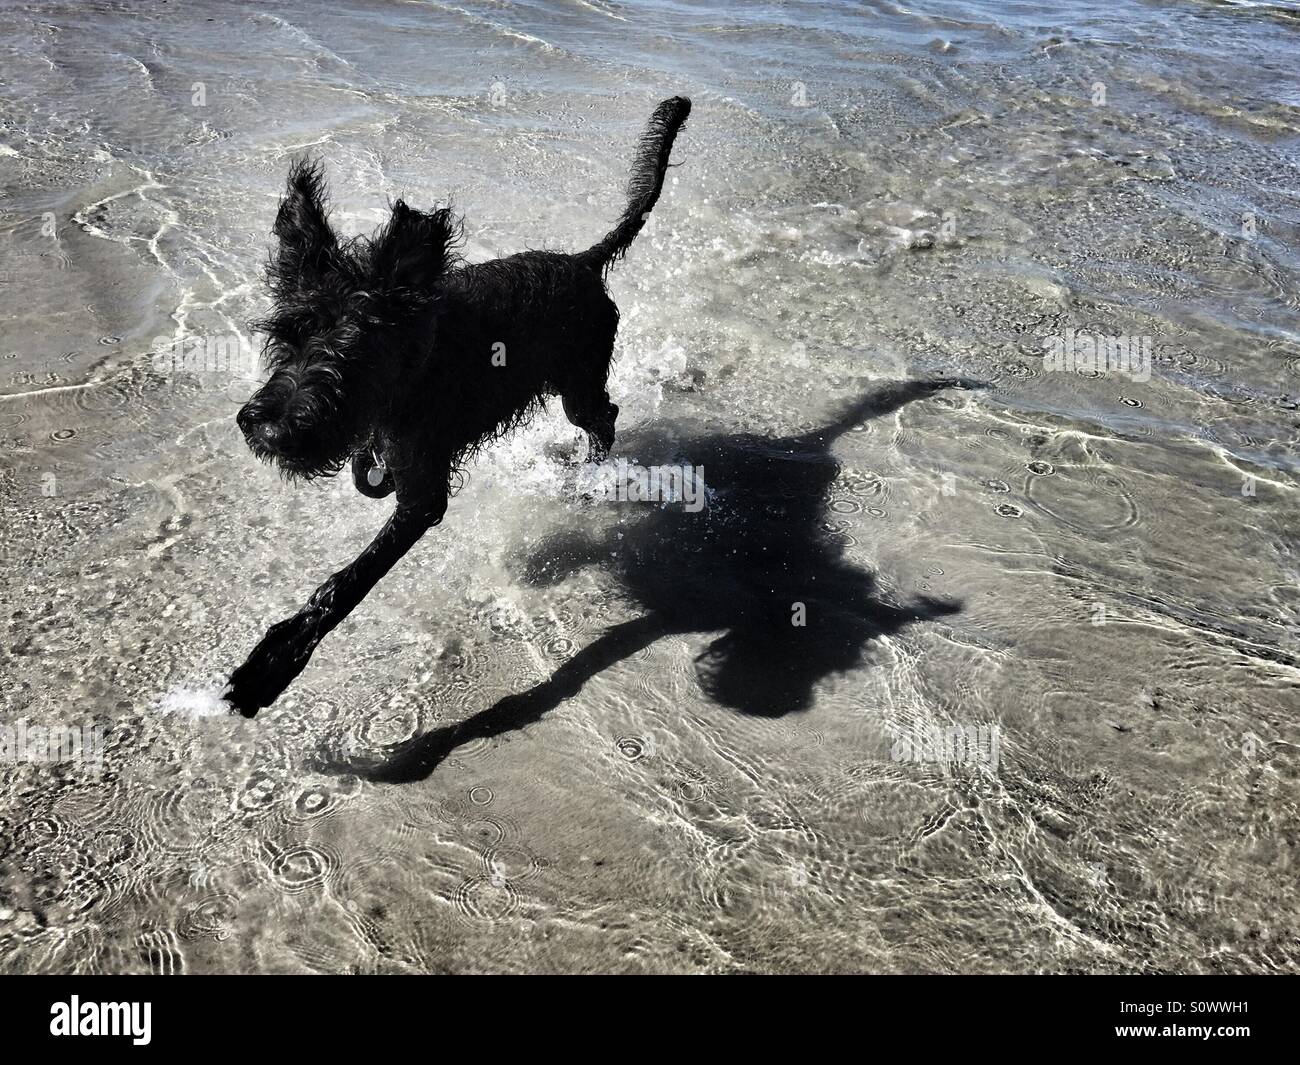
(260, 430)
(245, 420)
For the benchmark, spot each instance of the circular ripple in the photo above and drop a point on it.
(865, 484)
(846, 506)
(511, 622)
(302, 867)
(1129, 401)
(42, 832)
(179, 819)
(1088, 499)
(1008, 510)
(481, 795)
(105, 398)
(464, 659)
(60, 436)
(509, 864)
(488, 832)
(559, 647)
(311, 803)
(209, 918)
(1199, 363)
(112, 846)
(633, 748)
(690, 789)
(997, 486)
(307, 715)
(389, 726)
(1043, 469)
(486, 898)
(259, 794)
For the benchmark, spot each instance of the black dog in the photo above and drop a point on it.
(390, 352)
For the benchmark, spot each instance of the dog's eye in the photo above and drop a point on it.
(284, 330)
(314, 348)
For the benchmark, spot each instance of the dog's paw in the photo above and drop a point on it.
(243, 698)
(255, 685)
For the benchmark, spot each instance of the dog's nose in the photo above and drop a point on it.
(271, 434)
(268, 434)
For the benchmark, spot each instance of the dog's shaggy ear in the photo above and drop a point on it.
(307, 243)
(414, 248)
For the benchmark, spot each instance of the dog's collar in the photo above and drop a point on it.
(376, 474)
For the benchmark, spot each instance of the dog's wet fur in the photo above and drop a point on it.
(390, 353)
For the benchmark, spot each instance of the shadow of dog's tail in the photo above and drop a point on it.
(645, 183)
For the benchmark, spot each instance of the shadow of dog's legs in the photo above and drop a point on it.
(416, 759)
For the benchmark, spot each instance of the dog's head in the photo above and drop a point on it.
(339, 336)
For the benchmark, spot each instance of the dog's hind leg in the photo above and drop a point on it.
(593, 413)
(287, 647)
(586, 369)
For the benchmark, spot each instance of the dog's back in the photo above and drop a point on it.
(512, 331)
(508, 333)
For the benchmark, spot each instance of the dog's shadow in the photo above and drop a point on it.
(760, 564)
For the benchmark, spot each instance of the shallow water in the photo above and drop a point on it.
(566, 735)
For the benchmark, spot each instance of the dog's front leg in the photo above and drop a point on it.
(287, 647)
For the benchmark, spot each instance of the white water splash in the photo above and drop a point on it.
(195, 701)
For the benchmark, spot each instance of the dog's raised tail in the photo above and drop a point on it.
(646, 181)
